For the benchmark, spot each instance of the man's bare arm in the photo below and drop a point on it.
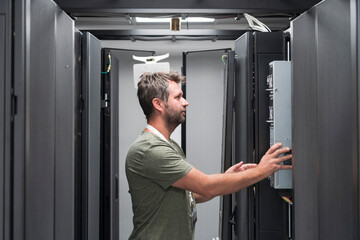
(233, 169)
(206, 187)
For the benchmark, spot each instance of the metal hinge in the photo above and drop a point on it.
(105, 104)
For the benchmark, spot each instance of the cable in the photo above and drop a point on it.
(287, 199)
(109, 66)
(223, 57)
(259, 27)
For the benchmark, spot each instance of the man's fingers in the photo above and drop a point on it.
(274, 148)
(281, 151)
(249, 165)
(235, 168)
(285, 167)
(238, 165)
(283, 158)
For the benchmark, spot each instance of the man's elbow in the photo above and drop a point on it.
(209, 194)
(209, 190)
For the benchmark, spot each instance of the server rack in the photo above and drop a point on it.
(53, 189)
(326, 121)
(43, 127)
(260, 213)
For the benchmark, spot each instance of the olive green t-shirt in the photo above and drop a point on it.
(160, 211)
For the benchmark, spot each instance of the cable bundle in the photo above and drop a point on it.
(255, 24)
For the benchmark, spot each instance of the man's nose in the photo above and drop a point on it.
(185, 102)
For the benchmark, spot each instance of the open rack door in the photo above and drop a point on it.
(90, 182)
(227, 157)
(122, 120)
(202, 131)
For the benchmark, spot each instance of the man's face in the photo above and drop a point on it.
(176, 106)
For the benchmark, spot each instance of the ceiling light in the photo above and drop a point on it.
(152, 20)
(199, 19)
(167, 20)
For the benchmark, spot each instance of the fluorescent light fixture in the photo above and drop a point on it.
(152, 20)
(167, 20)
(199, 19)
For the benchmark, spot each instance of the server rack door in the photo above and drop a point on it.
(261, 213)
(244, 133)
(91, 90)
(226, 220)
(122, 121)
(336, 98)
(305, 111)
(65, 128)
(78, 134)
(40, 121)
(44, 145)
(325, 123)
(204, 72)
(106, 166)
(20, 51)
(2, 120)
(5, 118)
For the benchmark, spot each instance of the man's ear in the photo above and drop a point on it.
(158, 104)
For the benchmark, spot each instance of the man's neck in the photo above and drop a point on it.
(161, 127)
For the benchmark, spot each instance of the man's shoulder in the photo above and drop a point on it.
(147, 143)
(146, 140)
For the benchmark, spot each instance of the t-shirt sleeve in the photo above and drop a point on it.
(163, 165)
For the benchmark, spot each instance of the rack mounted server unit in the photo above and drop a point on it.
(279, 88)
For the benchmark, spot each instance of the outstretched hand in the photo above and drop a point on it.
(240, 167)
(270, 161)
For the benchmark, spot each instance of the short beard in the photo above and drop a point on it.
(172, 120)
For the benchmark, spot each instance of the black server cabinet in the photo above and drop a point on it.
(326, 121)
(120, 126)
(5, 118)
(100, 160)
(19, 46)
(109, 178)
(44, 123)
(50, 109)
(260, 213)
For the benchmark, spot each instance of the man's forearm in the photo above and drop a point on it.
(222, 184)
(209, 186)
(200, 198)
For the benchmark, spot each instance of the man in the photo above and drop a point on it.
(165, 188)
